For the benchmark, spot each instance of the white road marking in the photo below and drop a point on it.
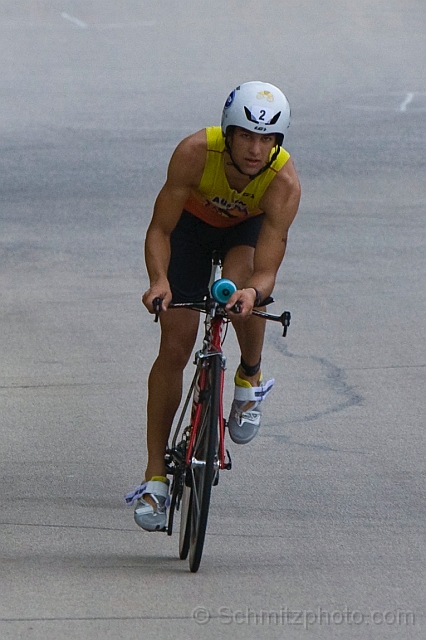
(76, 21)
(383, 102)
(408, 98)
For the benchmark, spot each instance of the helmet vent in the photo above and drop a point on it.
(250, 116)
(275, 118)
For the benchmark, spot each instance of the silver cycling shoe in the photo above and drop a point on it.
(245, 415)
(147, 516)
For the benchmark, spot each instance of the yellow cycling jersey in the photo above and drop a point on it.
(214, 201)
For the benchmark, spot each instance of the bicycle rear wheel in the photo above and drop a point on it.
(203, 466)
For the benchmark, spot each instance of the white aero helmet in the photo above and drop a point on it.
(259, 107)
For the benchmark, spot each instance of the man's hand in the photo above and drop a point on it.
(245, 299)
(161, 290)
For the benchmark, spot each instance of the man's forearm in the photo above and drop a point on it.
(157, 254)
(262, 282)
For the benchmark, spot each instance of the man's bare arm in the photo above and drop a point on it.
(184, 173)
(280, 204)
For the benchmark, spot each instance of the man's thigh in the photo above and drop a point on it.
(178, 334)
(192, 243)
(240, 245)
(238, 264)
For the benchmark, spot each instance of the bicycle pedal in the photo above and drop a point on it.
(228, 463)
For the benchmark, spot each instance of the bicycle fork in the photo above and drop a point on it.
(191, 461)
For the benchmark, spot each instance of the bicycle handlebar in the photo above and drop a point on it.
(205, 305)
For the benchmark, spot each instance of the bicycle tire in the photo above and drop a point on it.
(185, 509)
(205, 451)
(185, 523)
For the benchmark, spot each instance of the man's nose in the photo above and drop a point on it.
(255, 146)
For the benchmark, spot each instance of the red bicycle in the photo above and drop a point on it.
(197, 451)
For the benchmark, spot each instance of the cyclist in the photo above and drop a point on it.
(232, 188)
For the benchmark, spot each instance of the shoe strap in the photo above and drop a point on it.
(157, 488)
(254, 394)
(154, 487)
(135, 494)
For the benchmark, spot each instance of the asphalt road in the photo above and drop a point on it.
(319, 530)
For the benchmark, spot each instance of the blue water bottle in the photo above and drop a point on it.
(223, 289)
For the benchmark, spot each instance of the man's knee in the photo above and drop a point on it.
(178, 335)
(175, 356)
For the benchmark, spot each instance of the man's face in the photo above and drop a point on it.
(250, 151)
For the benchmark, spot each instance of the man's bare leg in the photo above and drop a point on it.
(250, 335)
(250, 332)
(178, 335)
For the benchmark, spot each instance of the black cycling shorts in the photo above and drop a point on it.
(192, 244)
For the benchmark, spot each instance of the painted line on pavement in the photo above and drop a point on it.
(79, 23)
(408, 98)
(413, 102)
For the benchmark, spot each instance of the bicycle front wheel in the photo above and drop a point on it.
(203, 465)
(185, 523)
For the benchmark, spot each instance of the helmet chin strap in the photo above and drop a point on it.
(248, 175)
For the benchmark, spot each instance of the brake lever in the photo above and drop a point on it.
(157, 303)
(285, 321)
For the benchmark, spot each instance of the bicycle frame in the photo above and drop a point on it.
(212, 347)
